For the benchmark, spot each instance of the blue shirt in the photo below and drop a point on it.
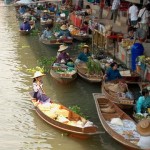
(136, 50)
(84, 57)
(139, 104)
(113, 74)
(65, 33)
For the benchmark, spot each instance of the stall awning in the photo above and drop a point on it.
(135, 1)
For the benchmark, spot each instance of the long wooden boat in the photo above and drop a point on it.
(105, 117)
(51, 42)
(83, 73)
(66, 120)
(123, 103)
(63, 78)
(56, 41)
(82, 38)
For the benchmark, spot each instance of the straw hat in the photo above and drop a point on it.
(108, 110)
(143, 127)
(45, 11)
(38, 74)
(85, 46)
(62, 48)
(63, 27)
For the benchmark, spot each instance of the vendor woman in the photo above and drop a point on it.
(112, 73)
(140, 101)
(39, 93)
(64, 32)
(84, 55)
(62, 57)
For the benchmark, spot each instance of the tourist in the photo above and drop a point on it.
(143, 128)
(84, 55)
(114, 9)
(62, 56)
(64, 32)
(140, 101)
(133, 15)
(47, 32)
(39, 93)
(144, 23)
(112, 73)
(25, 25)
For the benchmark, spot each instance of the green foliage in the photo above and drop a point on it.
(46, 63)
(76, 109)
(93, 67)
(37, 68)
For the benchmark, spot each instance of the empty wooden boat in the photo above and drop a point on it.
(124, 135)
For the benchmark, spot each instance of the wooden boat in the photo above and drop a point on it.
(83, 73)
(123, 103)
(105, 117)
(63, 78)
(51, 42)
(65, 120)
(82, 38)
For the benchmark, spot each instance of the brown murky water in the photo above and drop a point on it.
(20, 127)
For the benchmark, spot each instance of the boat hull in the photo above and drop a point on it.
(119, 113)
(120, 102)
(62, 79)
(73, 131)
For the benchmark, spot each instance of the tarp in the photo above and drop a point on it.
(26, 2)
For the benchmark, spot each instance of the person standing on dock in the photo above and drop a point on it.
(114, 10)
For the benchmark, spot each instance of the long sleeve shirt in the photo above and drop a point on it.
(113, 74)
(63, 56)
(84, 57)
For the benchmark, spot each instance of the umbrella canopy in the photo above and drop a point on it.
(26, 2)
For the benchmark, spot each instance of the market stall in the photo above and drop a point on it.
(76, 20)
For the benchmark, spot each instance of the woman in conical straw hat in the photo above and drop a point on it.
(84, 55)
(39, 93)
(63, 57)
(64, 32)
(143, 128)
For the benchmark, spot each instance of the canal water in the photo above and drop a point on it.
(20, 126)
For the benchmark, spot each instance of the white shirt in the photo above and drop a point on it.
(115, 4)
(144, 142)
(145, 15)
(133, 11)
